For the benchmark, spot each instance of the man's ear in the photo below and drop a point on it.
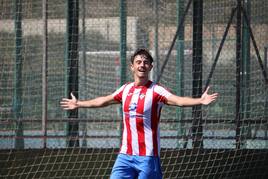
(151, 67)
(131, 67)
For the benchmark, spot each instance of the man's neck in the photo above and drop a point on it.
(141, 81)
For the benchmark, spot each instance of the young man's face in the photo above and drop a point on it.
(141, 66)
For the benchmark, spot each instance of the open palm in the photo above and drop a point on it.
(69, 104)
(208, 98)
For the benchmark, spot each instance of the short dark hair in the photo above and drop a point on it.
(142, 51)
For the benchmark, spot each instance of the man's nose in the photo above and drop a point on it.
(142, 63)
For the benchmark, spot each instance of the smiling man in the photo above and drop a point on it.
(142, 101)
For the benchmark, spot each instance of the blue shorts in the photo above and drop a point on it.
(141, 167)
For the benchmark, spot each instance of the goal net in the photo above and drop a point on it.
(49, 48)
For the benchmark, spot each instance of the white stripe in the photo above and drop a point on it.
(158, 128)
(133, 126)
(147, 122)
(158, 140)
(124, 137)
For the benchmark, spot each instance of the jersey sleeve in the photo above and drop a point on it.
(117, 95)
(163, 93)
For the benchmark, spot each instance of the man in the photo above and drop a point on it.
(142, 101)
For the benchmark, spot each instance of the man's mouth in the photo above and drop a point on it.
(141, 70)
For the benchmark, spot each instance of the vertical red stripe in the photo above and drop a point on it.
(154, 124)
(118, 97)
(127, 122)
(129, 137)
(139, 121)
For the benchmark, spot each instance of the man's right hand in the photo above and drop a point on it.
(69, 104)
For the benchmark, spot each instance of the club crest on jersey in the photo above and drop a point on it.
(142, 96)
(132, 107)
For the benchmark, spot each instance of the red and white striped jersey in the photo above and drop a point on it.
(141, 114)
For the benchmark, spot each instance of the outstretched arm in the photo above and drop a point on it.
(188, 101)
(73, 103)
